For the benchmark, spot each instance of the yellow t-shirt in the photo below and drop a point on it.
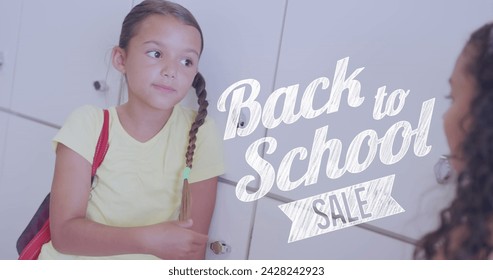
(138, 183)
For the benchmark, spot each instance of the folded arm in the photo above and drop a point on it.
(72, 233)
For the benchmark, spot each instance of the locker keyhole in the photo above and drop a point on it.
(242, 121)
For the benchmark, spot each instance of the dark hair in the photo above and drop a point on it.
(155, 7)
(130, 25)
(465, 225)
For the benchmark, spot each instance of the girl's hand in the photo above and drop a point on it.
(175, 240)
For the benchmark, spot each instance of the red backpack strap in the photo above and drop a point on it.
(102, 145)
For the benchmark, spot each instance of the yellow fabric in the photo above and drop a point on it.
(138, 183)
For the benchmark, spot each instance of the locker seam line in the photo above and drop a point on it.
(29, 118)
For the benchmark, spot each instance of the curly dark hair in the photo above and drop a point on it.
(465, 231)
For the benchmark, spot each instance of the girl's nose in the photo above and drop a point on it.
(168, 71)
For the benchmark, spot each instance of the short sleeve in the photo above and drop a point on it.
(208, 160)
(80, 131)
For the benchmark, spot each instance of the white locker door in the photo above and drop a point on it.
(401, 45)
(10, 14)
(64, 46)
(230, 226)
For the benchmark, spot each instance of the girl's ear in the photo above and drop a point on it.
(118, 59)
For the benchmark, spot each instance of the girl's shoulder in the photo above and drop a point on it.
(80, 130)
(86, 114)
(88, 111)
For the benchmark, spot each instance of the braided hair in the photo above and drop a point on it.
(130, 24)
(199, 85)
(465, 230)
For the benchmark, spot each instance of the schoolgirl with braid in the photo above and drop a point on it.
(154, 194)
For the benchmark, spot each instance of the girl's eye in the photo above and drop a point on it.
(154, 54)
(187, 62)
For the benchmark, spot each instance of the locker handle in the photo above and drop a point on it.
(100, 86)
(220, 247)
